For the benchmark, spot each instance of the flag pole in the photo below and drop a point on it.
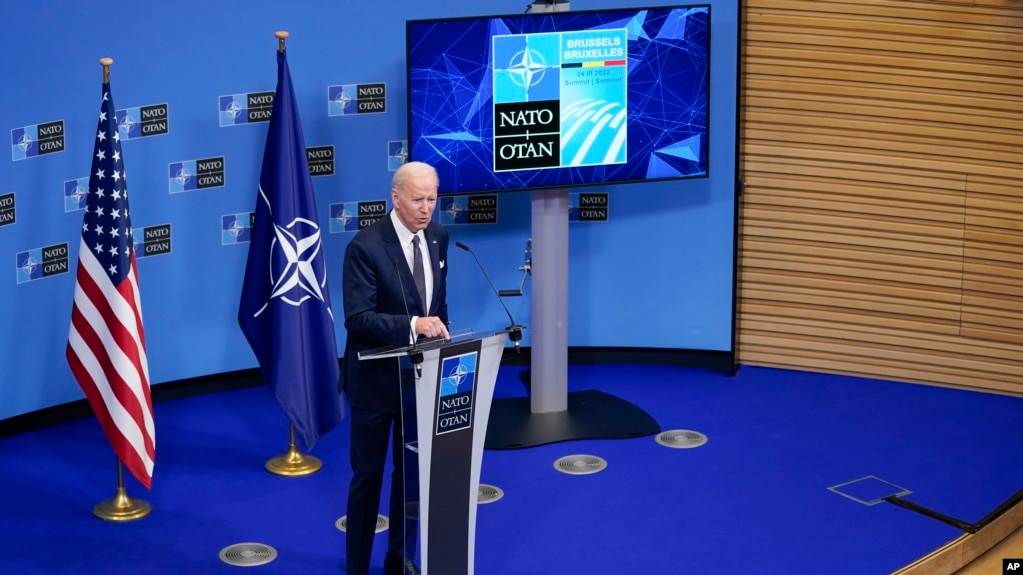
(120, 507)
(293, 463)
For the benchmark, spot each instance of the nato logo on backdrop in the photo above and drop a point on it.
(37, 140)
(397, 154)
(40, 263)
(320, 160)
(142, 122)
(191, 175)
(7, 212)
(151, 240)
(587, 207)
(467, 210)
(454, 395)
(351, 99)
(75, 193)
(236, 228)
(353, 216)
(237, 109)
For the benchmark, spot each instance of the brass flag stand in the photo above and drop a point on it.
(121, 507)
(293, 463)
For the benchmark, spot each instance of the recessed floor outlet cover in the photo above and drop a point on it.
(489, 493)
(681, 439)
(342, 524)
(580, 464)
(248, 554)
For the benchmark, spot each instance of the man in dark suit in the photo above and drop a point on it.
(383, 309)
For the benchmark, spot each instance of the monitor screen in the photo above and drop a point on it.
(562, 99)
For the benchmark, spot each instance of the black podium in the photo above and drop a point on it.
(447, 387)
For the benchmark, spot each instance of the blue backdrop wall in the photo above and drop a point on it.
(658, 273)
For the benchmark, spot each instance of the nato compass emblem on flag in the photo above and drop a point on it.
(296, 273)
(454, 401)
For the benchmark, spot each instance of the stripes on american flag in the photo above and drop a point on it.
(106, 344)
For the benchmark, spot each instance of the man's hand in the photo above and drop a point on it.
(432, 327)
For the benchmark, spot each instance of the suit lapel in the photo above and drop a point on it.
(396, 253)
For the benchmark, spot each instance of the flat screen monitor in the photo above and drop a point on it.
(562, 99)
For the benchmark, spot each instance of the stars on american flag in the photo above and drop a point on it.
(107, 226)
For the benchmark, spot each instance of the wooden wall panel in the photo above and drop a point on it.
(882, 217)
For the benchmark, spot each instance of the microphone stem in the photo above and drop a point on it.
(415, 353)
(514, 330)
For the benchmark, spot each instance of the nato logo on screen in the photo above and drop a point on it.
(151, 240)
(560, 99)
(142, 122)
(37, 140)
(39, 263)
(454, 395)
(76, 191)
(236, 228)
(237, 109)
(191, 175)
(7, 209)
(352, 99)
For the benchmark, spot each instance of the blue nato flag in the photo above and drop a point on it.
(285, 304)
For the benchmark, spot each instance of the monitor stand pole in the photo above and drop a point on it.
(551, 414)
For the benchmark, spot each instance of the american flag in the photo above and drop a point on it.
(106, 346)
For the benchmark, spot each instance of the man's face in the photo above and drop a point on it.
(415, 204)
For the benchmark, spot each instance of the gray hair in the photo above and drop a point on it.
(411, 170)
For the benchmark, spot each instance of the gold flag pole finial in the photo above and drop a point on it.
(281, 37)
(106, 62)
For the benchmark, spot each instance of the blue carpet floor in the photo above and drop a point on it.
(753, 499)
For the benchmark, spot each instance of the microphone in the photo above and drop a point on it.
(414, 352)
(514, 330)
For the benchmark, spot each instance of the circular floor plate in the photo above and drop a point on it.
(248, 554)
(489, 493)
(580, 464)
(342, 524)
(681, 439)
